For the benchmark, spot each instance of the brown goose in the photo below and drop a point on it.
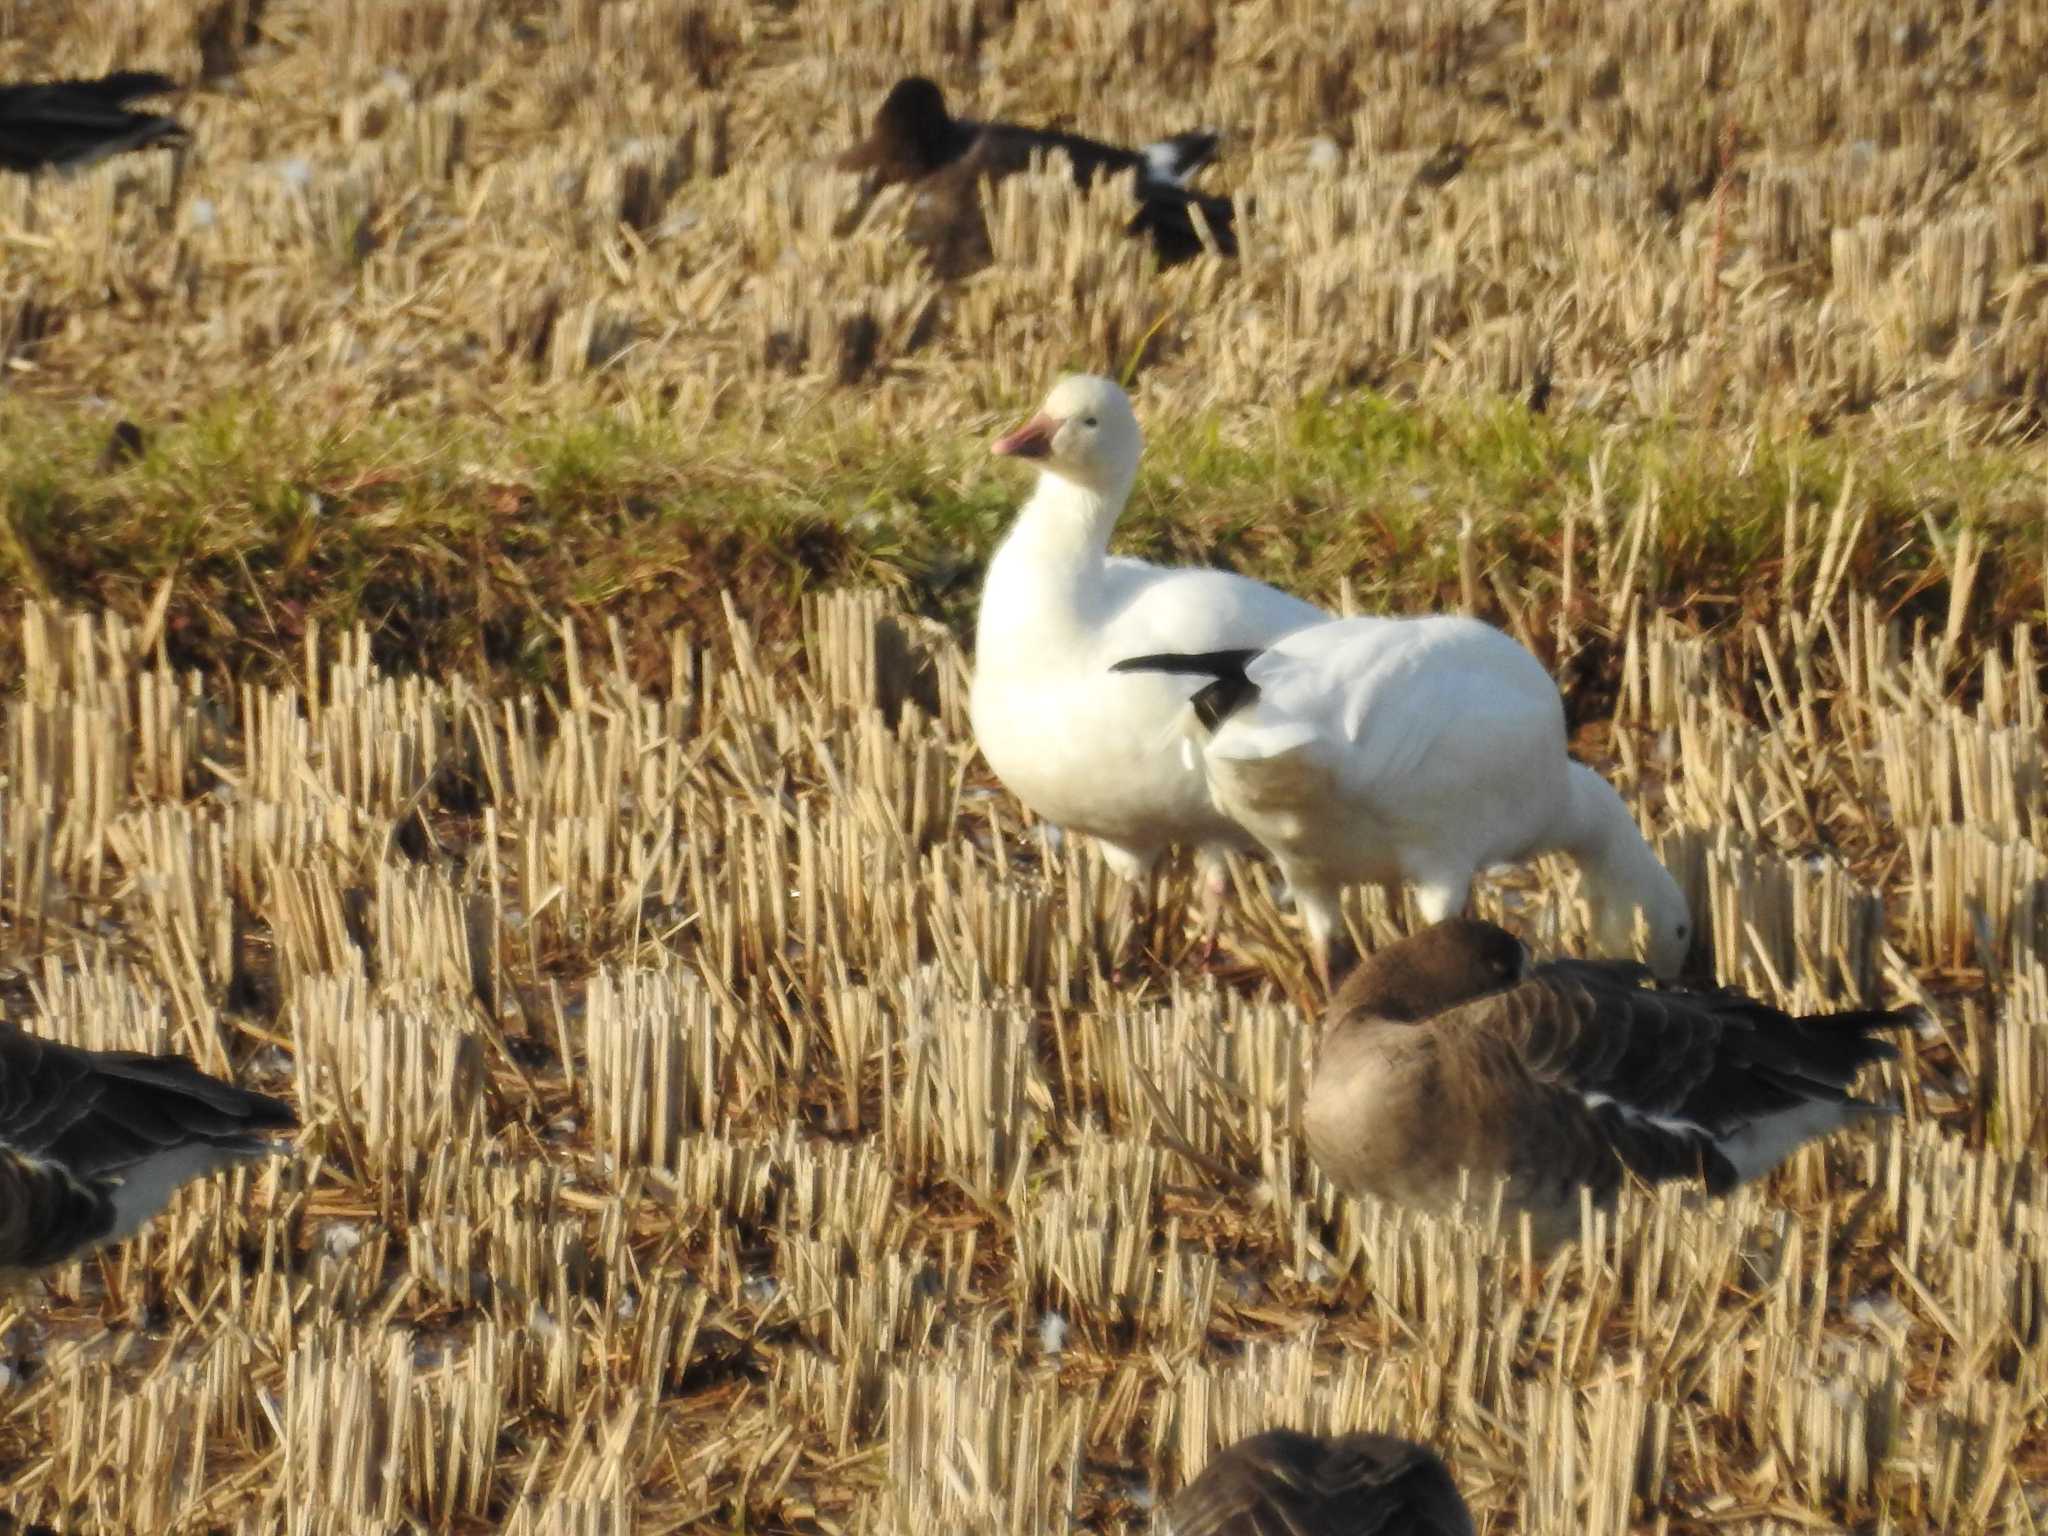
(1282, 1483)
(69, 124)
(92, 1143)
(1446, 1051)
(915, 138)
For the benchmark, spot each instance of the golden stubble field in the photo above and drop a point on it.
(1754, 213)
(718, 1116)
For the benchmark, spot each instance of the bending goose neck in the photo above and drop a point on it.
(1598, 830)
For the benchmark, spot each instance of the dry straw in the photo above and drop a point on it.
(719, 1113)
(1776, 212)
(718, 1109)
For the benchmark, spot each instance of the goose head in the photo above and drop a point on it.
(1085, 434)
(1418, 977)
(913, 117)
(1665, 912)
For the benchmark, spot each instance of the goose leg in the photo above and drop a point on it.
(1338, 957)
(1135, 869)
(1442, 894)
(1331, 951)
(1144, 906)
(1215, 876)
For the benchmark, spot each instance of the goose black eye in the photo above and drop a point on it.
(1088, 421)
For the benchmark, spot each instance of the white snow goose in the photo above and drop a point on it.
(915, 139)
(69, 124)
(92, 1143)
(1284, 1483)
(1417, 750)
(1084, 747)
(1446, 1052)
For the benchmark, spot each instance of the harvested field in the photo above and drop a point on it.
(718, 1116)
(1812, 209)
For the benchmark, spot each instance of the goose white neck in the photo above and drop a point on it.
(1622, 871)
(1044, 586)
(1599, 829)
(1067, 521)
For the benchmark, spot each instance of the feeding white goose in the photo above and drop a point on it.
(1446, 1053)
(68, 124)
(1082, 746)
(1418, 750)
(92, 1143)
(1284, 1483)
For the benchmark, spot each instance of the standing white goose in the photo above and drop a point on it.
(1081, 746)
(93, 1143)
(1417, 750)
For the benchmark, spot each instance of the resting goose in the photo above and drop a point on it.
(915, 139)
(1446, 1052)
(92, 1143)
(68, 124)
(1418, 751)
(1080, 745)
(1282, 1483)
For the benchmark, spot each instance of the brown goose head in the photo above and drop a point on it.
(913, 133)
(1418, 977)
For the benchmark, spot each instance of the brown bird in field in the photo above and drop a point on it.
(1446, 1052)
(1282, 1483)
(915, 139)
(68, 124)
(92, 1143)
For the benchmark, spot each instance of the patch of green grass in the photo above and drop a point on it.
(460, 540)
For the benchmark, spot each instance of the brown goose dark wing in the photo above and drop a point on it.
(1282, 1483)
(1680, 1082)
(1166, 216)
(93, 1142)
(66, 124)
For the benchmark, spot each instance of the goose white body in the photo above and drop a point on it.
(1092, 750)
(1420, 751)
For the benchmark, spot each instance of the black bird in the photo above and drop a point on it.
(915, 138)
(69, 124)
(1282, 1483)
(92, 1143)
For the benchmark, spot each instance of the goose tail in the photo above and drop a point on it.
(1171, 161)
(1768, 1140)
(1228, 690)
(1810, 1063)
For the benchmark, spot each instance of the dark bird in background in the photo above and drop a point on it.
(68, 124)
(915, 139)
(93, 1143)
(1282, 1483)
